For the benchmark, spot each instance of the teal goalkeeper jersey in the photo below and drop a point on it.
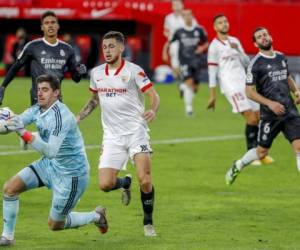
(58, 138)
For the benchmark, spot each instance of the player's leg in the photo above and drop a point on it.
(291, 131)
(143, 167)
(66, 193)
(188, 95)
(26, 179)
(114, 157)
(140, 150)
(268, 130)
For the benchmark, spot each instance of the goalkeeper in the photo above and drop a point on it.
(63, 167)
(47, 55)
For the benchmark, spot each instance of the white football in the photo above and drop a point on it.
(6, 113)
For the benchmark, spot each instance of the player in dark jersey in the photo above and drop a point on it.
(268, 73)
(192, 42)
(47, 55)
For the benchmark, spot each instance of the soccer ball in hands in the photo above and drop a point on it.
(5, 114)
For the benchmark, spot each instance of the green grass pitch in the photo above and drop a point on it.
(194, 209)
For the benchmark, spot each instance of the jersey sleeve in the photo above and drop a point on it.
(175, 37)
(24, 57)
(212, 61)
(93, 86)
(141, 79)
(203, 34)
(212, 55)
(251, 74)
(58, 133)
(28, 116)
(287, 65)
(72, 65)
(26, 54)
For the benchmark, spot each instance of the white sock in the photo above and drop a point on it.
(76, 219)
(188, 96)
(298, 161)
(249, 157)
(10, 212)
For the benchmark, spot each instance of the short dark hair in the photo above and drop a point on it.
(116, 35)
(51, 79)
(256, 30)
(218, 16)
(48, 13)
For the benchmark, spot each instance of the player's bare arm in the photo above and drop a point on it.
(293, 87)
(276, 107)
(212, 99)
(88, 108)
(149, 115)
(165, 51)
(201, 48)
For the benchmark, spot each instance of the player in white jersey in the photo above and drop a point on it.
(63, 167)
(173, 22)
(226, 65)
(119, 86)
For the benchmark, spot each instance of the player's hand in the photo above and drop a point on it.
(15, 124)
(2, 90)
(81, 69)
(277, 108)
(297, 95)
(211, 104)
(149, 115)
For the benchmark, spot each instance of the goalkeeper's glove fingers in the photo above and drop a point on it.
(15, 124)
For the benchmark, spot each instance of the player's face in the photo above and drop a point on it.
(50, 26)
(187, 17)
(46, 95)
(263, 40)
(221, 25)
(177, 5)
(112, 50)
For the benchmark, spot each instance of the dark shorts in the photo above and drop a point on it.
(192, 70)
(269, 129)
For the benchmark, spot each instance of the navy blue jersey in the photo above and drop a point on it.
(270, 76)
(45, 58)
(189, 40)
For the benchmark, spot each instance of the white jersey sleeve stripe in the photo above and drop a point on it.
(93, 90)
(149, 85)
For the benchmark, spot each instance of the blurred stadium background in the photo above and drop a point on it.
(142, 21)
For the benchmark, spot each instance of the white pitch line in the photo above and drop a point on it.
(157, 142)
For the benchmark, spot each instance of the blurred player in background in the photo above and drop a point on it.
(227, 63)
(45, 55)
(192, 42)
(270, 83)
(173, 22)
(64, 167)
(118, 86)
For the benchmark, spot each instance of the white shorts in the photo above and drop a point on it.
(174, 57)
(117, 150)
(240, 102)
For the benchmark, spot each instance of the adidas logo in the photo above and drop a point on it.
(43, 52)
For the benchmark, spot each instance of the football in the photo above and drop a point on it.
(6, 113)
